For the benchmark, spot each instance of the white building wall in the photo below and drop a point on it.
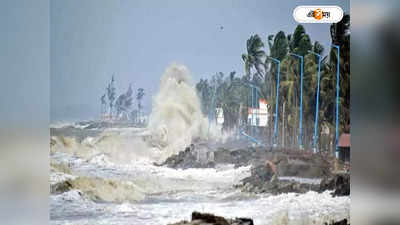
(259, 116)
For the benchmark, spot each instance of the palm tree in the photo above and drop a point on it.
(278, 48)
(103, 105)
(254, 56)
(111, 94)
(139, 96)
(124, 102)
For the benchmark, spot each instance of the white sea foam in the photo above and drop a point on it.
(174, 194)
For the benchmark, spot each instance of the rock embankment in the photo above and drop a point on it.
(264, 179)
(210, 219)
(289, 163)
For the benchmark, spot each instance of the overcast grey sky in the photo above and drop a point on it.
(137, 39)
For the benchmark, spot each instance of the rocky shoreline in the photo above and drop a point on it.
(264, 178)
(211, 219)
(267, 168)
(288, 162)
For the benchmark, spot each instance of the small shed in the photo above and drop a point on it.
(344, 147)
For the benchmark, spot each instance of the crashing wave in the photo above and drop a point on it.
(176, 118)
(100, 190)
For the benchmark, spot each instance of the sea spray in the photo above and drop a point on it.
(176, 122)
(176, 119)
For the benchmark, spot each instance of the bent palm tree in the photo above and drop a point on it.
(254, 56)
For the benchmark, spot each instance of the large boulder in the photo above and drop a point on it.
(261, 173)
(341, 222)
(189, 158)
(264, 179)
(210, 219)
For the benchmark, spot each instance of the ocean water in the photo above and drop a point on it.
(164, 195)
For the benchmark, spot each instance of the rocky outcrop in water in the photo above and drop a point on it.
(187, 159)
(339, 182)
(264, 179)
(210, 219)
(341, 222)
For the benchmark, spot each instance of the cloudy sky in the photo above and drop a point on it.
(137, 39)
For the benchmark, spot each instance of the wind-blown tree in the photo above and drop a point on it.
(254, 55)
(124, 102)
(139, 95)
(278, 46)
(233, 93)
(111, 94)
(103, 104)
(205, 92)
(231, 96)
(340, 34)
(128, 100)
(318, 48)
(289, 95)
(134, 115)
(118, 104)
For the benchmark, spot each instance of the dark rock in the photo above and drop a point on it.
(264, 179)
(340, 183)
(260, 174)
(187, 159)
(238, 157)
(61, 187)
(210, 219)
(288, 186)
(288, 163)
(341, 222)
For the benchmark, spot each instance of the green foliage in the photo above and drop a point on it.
(233, 94)
(124, 101)
(139, 96)
(279, 48)
(111, 94)
(254, 55)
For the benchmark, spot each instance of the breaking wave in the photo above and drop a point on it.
(99, 189)
(176, 119)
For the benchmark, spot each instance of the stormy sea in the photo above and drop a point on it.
(110, 172)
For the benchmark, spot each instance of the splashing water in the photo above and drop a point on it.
(176, 119)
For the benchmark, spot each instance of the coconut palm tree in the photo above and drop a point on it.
(139, 96)
(254, 55)
(111, 94)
